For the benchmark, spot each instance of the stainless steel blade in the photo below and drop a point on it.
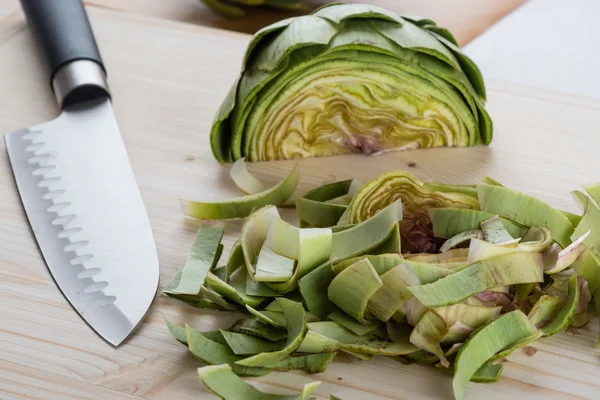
(83, 203)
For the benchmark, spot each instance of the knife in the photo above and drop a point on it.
(77, 186)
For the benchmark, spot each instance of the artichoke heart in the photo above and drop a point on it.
(415, 227)
(350, 78)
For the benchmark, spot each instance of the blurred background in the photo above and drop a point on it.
(467, 19)
(551, 44)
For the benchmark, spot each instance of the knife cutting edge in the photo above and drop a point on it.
(77, 186)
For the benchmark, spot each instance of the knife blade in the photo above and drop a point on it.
(77, 186)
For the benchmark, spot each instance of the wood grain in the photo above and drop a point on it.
(168, 80)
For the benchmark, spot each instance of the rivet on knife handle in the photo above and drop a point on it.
(65, 37)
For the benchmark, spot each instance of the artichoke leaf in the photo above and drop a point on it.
(448, 222)
(224, 381)
(235, 260)
(258, 289)
(314, 208)
(315, 343)
(588, 267)
(367, 234)
(254, 327)
(416, 201)
(352, 288)
(195, 301)
(369, 343)
(249, 184)
(520, 344)
(457, 333)
(414, 310)
(201, 259)
(235, 294)
(337, 13)
(494, 232)
(216, 298)
(469, 315)
(469, 190)
(242, 344)
(564, 317)
(271, 267)
(296, 327)
(214, 353)
(590, 221)
(481, 250)
(311, 363)
(503, 270)
(568, 255)
(431, 272)
(450, 256)
(488, 372)
(351, 324)
(391, 245)
(242, 207)
(460, 238)
(428, 334)
(313, 288)
(393, 293)
(526, 210)
(254, 234)
(310, 247)
(268, 317)
(593, 190)
(544, 310)
(382, 263)
(492, 338)
(537, 239)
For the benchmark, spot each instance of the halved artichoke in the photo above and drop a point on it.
(350, 78)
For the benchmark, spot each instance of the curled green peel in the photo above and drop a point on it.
(314, 209)
(311, 363)
(214, 353)
(352, 324)
(487, 341)
(460, 238)
(369, 343)
(526, 210)
(448, 222)
(508, 269)
(224, 382)
(393, 293)
(428, 334)
(242, 344)
(494, 231)
(296, 326)
(243, 206)
(368, 234)
(562, 320)
(352, 288)
(254, 327)
(202, 258)
(313, 288)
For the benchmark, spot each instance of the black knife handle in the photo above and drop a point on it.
(65, 37)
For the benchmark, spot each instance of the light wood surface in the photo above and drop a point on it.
(467, 19)
(168, 80)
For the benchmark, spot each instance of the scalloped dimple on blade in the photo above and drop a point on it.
(87, 215)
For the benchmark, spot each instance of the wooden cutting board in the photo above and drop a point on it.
(168, 80)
